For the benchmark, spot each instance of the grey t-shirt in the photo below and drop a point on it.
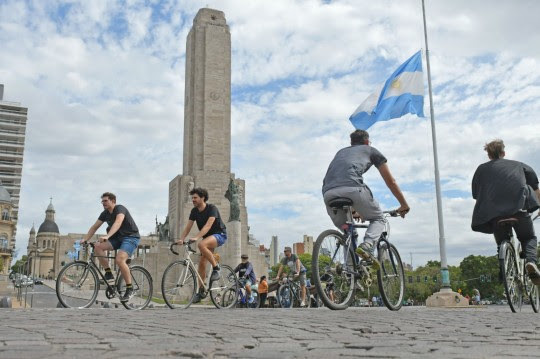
(291, 263)
(349, 164)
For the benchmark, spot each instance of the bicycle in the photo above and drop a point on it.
(334, 254)
(78, 285)
(243, 299)
(517, 283)
(289, 294)
(181, 281)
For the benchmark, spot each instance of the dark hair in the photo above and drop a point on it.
(110, 196)
(263, 278)
(494, 149)
(359, 137)
(201, 192)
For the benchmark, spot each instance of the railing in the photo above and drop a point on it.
(5, 250)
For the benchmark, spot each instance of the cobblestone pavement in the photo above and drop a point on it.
(270, 333)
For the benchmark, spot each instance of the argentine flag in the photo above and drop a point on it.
(402, 93)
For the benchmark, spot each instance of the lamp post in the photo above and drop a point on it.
(34, 259)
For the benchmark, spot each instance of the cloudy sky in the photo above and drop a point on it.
(104, 84)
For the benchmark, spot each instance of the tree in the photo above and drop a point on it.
(18, 267)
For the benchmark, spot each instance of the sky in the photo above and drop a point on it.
(104, 85)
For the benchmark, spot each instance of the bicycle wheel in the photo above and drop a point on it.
(510, 273)
(532, 290)
(142, 284)
(390, 276)
(333, 262)
(178, 285)
(224, 291)
(285, 296)
(77, 285)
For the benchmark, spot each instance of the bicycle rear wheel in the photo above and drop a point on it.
(142, 284)
(178, 285)
(333, 262)
(391, 276)
(77, 285)
(224, 291)
(510, 272)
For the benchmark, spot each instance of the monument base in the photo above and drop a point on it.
(446, 298)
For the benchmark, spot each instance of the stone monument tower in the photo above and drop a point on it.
(207, 138)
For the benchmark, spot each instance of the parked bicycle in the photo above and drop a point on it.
(243, 298)
(334, 256)
(517, 283)
(289, 294)
(78, 283)
(181, 281)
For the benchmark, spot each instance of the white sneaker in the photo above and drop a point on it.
(303, 305)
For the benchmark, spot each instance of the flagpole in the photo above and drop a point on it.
(442, 245)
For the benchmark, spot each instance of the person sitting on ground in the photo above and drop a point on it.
(246, 276)
(296, 267)
(212, 230)
(504, 188)
(263, 291)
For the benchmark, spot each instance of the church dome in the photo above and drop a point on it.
(48, 226)
(4, 194)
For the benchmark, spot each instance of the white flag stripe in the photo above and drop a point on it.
(406, 82)
(369, 103)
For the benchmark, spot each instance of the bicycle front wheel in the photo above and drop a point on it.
(390, 276)
(285, 296)
(256, 301)
(142, 284)
(178, 285)
(333, 264)
(224, 291)
(77, 285)
(532, 290)
(510, 273)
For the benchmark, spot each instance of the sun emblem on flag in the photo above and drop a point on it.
(396, 84)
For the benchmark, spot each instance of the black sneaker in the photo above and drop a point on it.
(365, 250)
(109, 277)
(197, 298)
(127, 294)
(216, 274)
(533, 272)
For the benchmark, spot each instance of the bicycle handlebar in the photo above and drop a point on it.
(392, 213)
(186, 243)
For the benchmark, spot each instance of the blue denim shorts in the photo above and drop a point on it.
(221, 238)
(126, 244)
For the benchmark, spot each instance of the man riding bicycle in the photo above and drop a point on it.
(296, 267)
(504, 188)
(246, 275)
(344, 179)
(212, 231)
(122, 235)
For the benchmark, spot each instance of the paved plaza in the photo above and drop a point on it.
(269, 333)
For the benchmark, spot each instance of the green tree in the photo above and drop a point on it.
(18, 267)
(1, 264)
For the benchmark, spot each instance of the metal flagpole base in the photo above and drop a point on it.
(446, 298)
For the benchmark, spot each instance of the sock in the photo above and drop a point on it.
(216, 267)
(128, 286)
(108, 270)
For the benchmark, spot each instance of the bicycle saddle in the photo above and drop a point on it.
(340, 202)
(507, 221)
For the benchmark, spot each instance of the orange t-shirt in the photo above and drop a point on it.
(263, 287)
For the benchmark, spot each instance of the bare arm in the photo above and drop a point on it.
(92, 230)
(394, 188)
(537, 193)
(115, 227)
(185, 232)
(205, 229)
(279, 271)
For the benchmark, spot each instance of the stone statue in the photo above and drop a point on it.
(162, 230)
(232, 195)
(190, 186)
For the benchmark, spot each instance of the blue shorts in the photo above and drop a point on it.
(126, 244)
(221, 238)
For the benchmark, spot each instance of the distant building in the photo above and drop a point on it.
(274, 251)
(298, 248)
(308, 244)
(7, 229)
(13, 119)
